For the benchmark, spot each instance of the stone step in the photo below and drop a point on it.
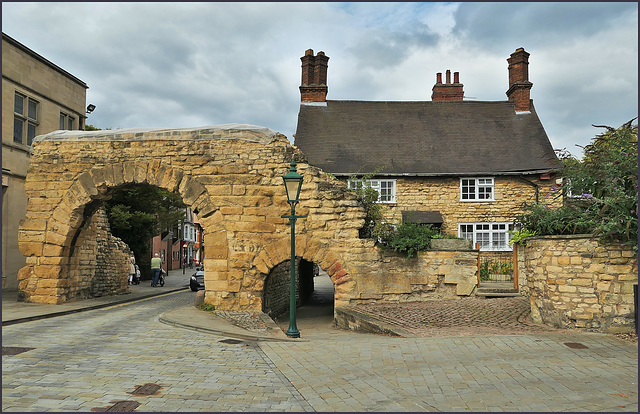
(497, 290)
(496, 294)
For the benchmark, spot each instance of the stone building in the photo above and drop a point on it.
(38, 97)
(466, 166)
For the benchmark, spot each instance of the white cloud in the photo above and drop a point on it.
(194, 64)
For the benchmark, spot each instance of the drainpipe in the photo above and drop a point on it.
(536, 186)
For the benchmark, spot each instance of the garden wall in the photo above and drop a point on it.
(576, 282)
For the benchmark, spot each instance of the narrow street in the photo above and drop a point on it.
(94, 359)
(122, 358)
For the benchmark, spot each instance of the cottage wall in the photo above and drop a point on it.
(443, 195)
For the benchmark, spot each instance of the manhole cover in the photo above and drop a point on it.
(146, 389)
(230, 341)
(576, 345)
(120, 406)
(14, 350)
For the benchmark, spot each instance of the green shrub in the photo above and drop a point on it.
(412, 238)
(518, 236)
(603, 186)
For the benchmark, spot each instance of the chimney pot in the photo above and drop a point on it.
(313, 87)
(448, 91)
(456, 77)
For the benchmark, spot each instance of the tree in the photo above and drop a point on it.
(89, 127)
(137, 213)
(601, 195)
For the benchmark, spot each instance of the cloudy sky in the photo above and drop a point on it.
(179, 65)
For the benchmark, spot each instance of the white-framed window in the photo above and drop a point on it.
(490, 236)
(25, 119)
(386, 189)
(476, 189)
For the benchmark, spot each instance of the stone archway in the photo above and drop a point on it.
(229, 174)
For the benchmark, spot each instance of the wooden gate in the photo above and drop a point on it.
(498, 267)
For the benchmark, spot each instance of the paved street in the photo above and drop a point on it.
(94, 360)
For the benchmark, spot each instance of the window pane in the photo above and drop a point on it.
(499, 240)
(62, 120)
(70, 124)
(385, 191)
(33, 110)
(466, 231)
(483, 239)
(468, 189)
(31, 133)
(18, 106)
(18, 130)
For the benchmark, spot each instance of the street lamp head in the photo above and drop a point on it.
(293, 184)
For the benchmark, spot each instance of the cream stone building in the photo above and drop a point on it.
(38, 97)
(466, 166)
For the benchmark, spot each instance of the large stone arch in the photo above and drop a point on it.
(230, 175)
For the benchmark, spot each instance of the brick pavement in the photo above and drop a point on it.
(458, 317)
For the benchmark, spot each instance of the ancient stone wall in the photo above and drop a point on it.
(231, 176)
(576, 282)
(277, 288)
(100, 261)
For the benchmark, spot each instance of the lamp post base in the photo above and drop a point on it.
(293, 333)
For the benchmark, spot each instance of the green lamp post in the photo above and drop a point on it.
(293, 184)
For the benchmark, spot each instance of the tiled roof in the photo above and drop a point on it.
(423, 138)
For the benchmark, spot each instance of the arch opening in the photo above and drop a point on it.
(315, 290)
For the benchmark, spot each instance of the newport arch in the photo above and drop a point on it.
(229, 174)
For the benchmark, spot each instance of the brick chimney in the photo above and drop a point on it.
(447, 91)
(314, 77)
(519, 85)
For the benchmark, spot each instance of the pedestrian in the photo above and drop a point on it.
(132, 269)
(156, 265)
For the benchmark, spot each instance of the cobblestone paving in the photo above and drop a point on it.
(458, 317)
(247, 320)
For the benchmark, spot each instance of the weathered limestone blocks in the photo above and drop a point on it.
(574, 281)
(232, 177)
(444, 196)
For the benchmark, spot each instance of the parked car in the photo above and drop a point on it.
(197, 280)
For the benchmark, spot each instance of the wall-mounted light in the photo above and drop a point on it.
(90, 108)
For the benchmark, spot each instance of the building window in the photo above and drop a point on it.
(386, 189)
(66, 121)
(25, 119)
(476, 189)
(490, 236)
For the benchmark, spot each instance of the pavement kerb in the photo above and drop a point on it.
(190, 317)
(88, 308)
(350, 319)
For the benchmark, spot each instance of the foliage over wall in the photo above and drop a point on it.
(600, 192)
(408, 238)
